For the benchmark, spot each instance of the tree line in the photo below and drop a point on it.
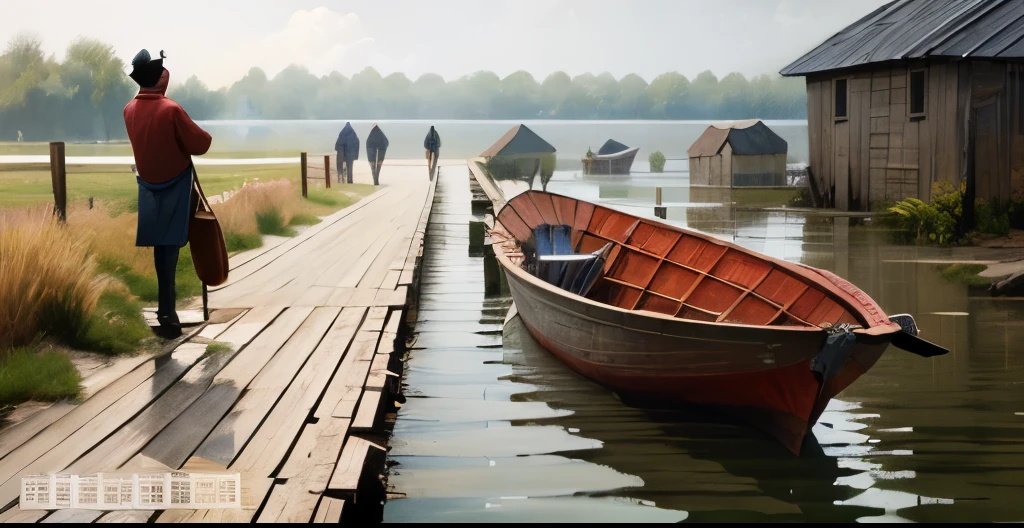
(82, 97)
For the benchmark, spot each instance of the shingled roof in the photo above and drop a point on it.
(519, 140)
(747, 138)
(916, 29)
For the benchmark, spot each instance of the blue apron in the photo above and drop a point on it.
(164, 211)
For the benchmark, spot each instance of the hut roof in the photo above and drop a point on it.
(611, 147)
(916, 29)
(747, 138)
(518, 140)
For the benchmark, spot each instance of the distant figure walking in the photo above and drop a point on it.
(347, 147)
(20, 137)
(376, 148)
(163, 139)
(432, 144)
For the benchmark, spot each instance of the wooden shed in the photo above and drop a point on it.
(915, 92)
(738, 154)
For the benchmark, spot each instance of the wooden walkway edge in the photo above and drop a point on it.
(295, 402)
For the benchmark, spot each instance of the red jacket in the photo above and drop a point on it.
(163, 136)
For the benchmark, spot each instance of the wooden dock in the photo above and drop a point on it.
(295, 403)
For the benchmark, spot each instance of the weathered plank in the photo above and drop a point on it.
(118, 448)
(350, 465)
(16, 515)
(226, 440)
(80, 430)
(72, 516)
(213, 330)
(176, 442)
(329, 510)
(19, 433)
(378, 372)
(308, 471)
(369, 408)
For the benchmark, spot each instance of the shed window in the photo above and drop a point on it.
(917, 93)
(841, 98)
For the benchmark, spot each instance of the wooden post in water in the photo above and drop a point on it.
(302, 162)
(59, 179)
(327, 170)
(659, 210)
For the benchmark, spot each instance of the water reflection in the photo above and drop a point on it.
(912, 440)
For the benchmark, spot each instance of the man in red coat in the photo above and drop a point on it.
(164, 139)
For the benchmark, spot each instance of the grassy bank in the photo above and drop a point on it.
(23, 185)
(82, 285)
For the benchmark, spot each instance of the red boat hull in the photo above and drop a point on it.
(676, 316)
(782, 400)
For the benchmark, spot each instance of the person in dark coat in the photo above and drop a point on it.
(347, 147)
(376, 148)
(432, 144)
(164, 139)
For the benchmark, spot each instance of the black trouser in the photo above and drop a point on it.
(166, 260)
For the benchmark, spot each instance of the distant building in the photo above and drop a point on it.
(894, 99)
(738, 154)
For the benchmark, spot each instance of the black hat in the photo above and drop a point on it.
(146, 71)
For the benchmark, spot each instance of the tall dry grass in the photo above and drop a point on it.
(48, 279)
(238, 215)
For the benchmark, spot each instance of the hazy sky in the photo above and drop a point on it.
(448, 37)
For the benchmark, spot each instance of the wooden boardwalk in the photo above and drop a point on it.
(311, 324)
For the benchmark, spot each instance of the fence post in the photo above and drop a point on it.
(59, 179)
(659, 210)
(327, 170)
(302, 162)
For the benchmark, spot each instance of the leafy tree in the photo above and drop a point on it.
(83, 96)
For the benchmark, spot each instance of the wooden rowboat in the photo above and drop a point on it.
(659, 313)
(617, 163)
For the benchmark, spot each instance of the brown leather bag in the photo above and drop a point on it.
(206, 242)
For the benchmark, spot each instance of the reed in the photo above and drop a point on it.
(48, 280)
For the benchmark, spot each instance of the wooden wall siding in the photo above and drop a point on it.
(879, 153)
(1016, 95)
(718, 170)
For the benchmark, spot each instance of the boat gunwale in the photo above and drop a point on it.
(846, 299)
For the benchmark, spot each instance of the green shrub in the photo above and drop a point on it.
(242, 241)
(271, 222)
(657, 161)
(991, 218)
(29, 375)
(116, 326)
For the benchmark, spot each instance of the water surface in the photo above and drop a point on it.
(496, 429)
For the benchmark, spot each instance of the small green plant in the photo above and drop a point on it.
(29, 375)
(217, 347)
(116, 326)
(657, 161)
(235, 242)
(303, 220)
(271, 222)
(802, 198)
(964, 274)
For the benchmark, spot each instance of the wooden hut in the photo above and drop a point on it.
(909, 94)
(738, 154)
